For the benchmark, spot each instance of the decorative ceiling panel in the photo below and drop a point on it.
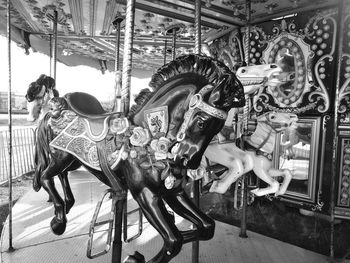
(85, 27)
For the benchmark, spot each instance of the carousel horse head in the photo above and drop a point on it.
(278, 121)
(189, 102)
(38, 95)
(257, 76)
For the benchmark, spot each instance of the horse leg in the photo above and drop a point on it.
(59, 221)
(68, 194)
(237, 161)
(157, 215)
(261, 167)
(287, 177)
(181, 204)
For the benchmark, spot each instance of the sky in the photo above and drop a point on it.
(27, 68)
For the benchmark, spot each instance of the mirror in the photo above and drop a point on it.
(296, 150)
(286, 61)
(293, 55)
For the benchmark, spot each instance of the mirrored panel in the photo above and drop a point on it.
(297, 150)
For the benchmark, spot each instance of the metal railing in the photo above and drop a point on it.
(23, 141)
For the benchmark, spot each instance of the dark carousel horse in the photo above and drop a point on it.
(148, 151)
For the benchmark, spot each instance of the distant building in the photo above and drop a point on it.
(19, 102)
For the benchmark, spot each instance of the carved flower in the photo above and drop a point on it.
(140, 137)
(160, 146)
(119, 125)
(169, 182)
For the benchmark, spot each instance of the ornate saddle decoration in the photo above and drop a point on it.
(75, 136)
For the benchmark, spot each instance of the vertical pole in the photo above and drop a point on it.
(165, 48)
(9, 108)
(118, 81)
(127, 56)
(196, 184)
(173, 50)
(336, 73)
(50, 55)
(54, 52)
(243, 230)
(117, 241)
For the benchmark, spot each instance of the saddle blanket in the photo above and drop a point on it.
(75, 139)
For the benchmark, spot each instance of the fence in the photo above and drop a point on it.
(23, 140)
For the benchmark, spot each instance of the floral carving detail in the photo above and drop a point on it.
(160, 147)
(140, 137)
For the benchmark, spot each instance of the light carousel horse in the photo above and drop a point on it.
(38, 95)
(239, 162)
(148, 151)
(257, 157)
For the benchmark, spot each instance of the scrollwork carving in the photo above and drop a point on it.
(344, 92)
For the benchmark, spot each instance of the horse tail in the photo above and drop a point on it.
(42, 150)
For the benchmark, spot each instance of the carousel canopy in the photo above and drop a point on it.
(87, 31)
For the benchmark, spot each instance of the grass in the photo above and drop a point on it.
(20, 185)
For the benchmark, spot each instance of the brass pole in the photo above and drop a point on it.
(196, 183)
(9, 109)
(243, 230)
(118, 81)
(54, 52)
(165, 48)
(50, 43)
(173, 51)
(127, 55)
(336, 73)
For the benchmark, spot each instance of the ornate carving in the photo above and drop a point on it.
(228, 49)
(344, 180)
(287, 48)
(344, 92)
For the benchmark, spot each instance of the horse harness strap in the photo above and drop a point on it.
(197, 102)
(112, 178)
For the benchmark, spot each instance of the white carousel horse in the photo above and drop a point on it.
(257, 157)
(237, 161)
(253, 78)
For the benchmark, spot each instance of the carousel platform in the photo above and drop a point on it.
(33, 240)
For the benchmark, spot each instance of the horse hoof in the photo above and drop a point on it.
(58, 226)
(136, 258)
(69, 205)
(36, 185)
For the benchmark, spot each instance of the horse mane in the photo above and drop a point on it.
(35, 87)
(42, 149)
(213, 70)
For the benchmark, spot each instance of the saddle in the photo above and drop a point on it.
(91, 110)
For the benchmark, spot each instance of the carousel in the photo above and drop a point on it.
(239, 145)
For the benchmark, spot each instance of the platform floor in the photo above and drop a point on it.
(34, 242)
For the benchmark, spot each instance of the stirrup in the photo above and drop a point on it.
(125, 224)
(95, 224)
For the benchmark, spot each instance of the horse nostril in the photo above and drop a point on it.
(273, 66)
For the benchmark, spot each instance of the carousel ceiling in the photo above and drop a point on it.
(85, 27)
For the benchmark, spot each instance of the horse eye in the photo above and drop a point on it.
(200, 124)
(273, 117)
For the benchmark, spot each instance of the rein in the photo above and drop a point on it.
(197, 102)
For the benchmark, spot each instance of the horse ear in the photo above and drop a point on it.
(55, 93)
(217, 94)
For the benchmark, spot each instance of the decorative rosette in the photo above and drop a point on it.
(160, 147)
(140, 137)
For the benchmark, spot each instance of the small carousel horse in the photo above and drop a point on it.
(257, 157)
(148, 151)
(38, 95)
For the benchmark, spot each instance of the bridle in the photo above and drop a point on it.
(197, 102)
